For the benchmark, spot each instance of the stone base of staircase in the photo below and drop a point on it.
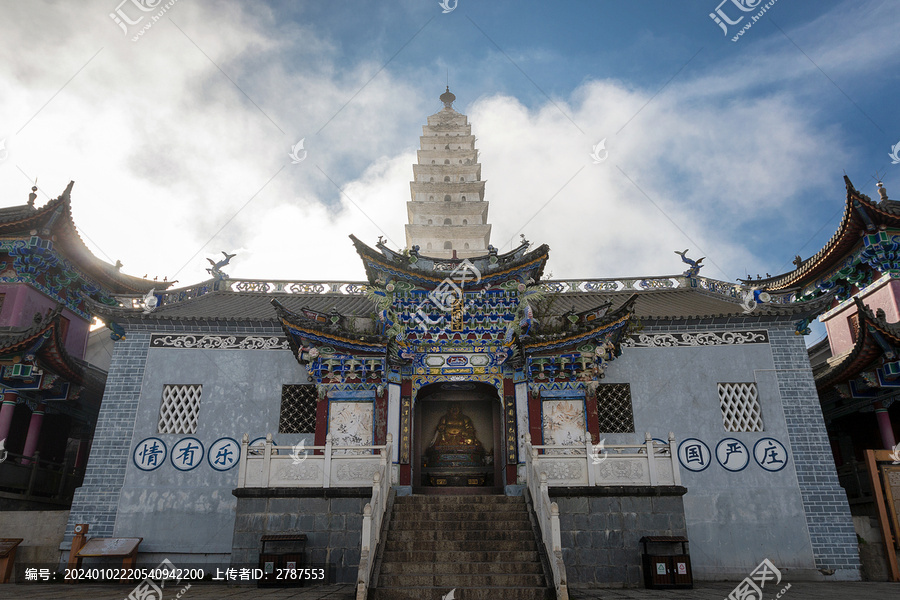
(484, 547)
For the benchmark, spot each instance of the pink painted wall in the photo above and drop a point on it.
(22, 301)
(886, 297)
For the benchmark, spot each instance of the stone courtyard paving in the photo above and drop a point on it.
(703, 591)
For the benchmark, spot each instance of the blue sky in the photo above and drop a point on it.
(178, 142)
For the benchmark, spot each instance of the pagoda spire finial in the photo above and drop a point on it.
(447, 98)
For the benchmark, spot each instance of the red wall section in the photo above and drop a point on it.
(885, 297)
(21, 302)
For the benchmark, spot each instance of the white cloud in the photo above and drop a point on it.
(165, 149)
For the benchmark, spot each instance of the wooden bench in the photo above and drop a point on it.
(126, 548)
(8, 557)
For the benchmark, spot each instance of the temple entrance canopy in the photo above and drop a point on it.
(457, 437)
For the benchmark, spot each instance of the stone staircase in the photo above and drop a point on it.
(484, 547)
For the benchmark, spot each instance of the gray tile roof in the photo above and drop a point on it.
(253, 306)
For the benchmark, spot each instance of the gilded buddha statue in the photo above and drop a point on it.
(455, 456)
(455, 430)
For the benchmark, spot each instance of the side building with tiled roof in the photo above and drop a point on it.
(51, 394)
(670, 405)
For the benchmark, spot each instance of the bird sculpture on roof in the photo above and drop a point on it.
(216, 270)
(695, 265)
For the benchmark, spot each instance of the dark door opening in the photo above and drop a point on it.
(457, 440)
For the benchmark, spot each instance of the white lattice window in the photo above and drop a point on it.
(180, 408)
(740, 407)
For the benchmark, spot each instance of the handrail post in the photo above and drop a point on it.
(555, 536)
(673, 456)
(267, 459)
(327, 468)
(592, 475)
(242, 467)
(648, 442)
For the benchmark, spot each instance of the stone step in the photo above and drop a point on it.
(445, 500)
(479, 516)
(451, 556)
(464, 593)
(451, 580)
(398, 524)
(484, 547)
(456, 507)
(416, 535)
(460, 546)
(459, 568)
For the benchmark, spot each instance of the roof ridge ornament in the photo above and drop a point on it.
(216, 270)
(882, 192)
(695, 265)
(33, 195)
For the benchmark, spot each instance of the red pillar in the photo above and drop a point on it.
(82, 454)
(321, 423)
(535, 424)
(884, 425)
(10, 397)
(379, 417)
(592, 416)
(34, 432)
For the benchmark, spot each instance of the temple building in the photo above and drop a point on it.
(409, 422)
(51, 393)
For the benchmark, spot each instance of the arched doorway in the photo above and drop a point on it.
(457, 439)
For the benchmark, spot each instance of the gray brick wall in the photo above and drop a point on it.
(333, 527)
(96, 501)
(825, 502)
(601, 535)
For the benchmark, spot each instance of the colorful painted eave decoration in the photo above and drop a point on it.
(298, 331)
(581, 337)
(377, 264)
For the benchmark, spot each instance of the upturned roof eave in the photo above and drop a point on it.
(840, 243)
(74, 246)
